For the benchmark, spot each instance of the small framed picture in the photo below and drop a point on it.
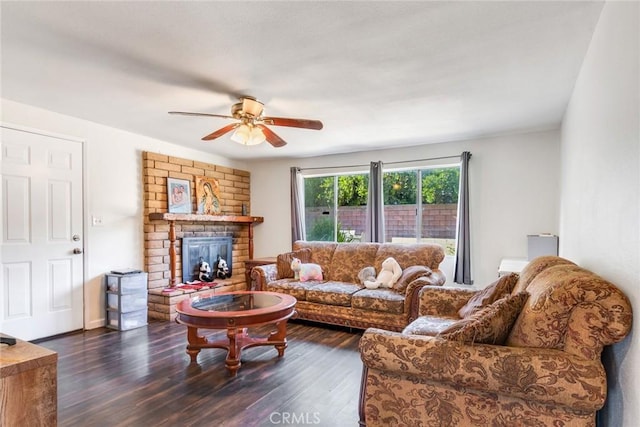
(179, 195)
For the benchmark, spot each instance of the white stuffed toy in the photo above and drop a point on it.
(388, 276)
(367, 274)
(295, 267)
(305, 272)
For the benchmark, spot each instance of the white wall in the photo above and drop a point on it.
(514, 184)
(600, 160)
(113, 190)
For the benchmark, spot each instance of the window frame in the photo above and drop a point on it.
(419, 169)
(335, 175)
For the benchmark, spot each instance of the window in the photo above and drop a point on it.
(422, 206)
(325, 222)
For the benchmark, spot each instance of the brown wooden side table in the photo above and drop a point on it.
(248, 266)
(28, 385)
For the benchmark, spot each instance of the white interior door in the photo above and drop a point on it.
(41, 285)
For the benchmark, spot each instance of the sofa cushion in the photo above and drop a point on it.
(428, 325)
(349, 258)
(385, 300)
(410, 274)
(332, 293)
(283, 262)
(488, 295)
(291, 287)
(426, 254)
(491, 325)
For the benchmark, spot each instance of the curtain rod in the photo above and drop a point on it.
(390, 163)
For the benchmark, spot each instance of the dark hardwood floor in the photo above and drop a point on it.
(143, 377)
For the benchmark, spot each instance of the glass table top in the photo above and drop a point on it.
(236, 302)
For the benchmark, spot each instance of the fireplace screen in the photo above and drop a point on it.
(207, 248)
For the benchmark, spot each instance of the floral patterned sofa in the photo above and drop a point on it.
(542, 369)
(339, 298)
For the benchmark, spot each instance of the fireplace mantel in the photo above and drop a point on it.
(229, 219)
(234, 219)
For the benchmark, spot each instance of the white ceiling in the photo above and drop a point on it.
(377, 74)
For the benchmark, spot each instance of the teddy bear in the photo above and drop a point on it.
(388, 276)
(367, 274)
(305, 272)
(204, 271)
(222, 269)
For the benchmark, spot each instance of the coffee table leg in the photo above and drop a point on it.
(280, 335)
(233, 355)
(195, 341)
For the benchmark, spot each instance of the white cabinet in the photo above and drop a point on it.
(511, 265)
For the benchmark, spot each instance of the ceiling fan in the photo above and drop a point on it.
(250, 125)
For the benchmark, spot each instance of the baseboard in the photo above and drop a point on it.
(94, 324)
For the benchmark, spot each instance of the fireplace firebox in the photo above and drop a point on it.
(207, 248)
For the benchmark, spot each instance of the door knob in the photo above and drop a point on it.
(77, 251)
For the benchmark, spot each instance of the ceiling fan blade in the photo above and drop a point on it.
(294, 123)
(184, 113)
(221, 131)
(272, 138)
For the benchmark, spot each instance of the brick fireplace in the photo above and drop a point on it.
(234, 193)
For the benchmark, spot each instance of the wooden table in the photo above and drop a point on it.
(28, 385)
(235, 312)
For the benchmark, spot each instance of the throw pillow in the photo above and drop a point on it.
(410, 274)
(491, 325)
(488, 295)
(283, 262)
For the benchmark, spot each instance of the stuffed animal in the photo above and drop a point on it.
(305, 272)
(295, 267)
(388, 276)
(204, 271)
(367, 274)
(222, 269)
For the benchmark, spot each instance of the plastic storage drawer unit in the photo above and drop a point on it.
(126, 300)
(126, 321)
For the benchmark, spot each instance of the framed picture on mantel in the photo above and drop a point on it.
(208, 195)
(179, 195)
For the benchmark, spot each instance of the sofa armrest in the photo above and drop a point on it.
(412, 293)
(443, 301)
(263, 274)
(547, 376)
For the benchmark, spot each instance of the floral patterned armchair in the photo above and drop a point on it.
(547, 371)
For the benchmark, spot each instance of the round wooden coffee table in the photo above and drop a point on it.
(235, 312)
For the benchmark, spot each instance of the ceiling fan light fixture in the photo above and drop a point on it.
(242, 134)
(248, 135)
(252, 107)
(257, 136)
(250, 126)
